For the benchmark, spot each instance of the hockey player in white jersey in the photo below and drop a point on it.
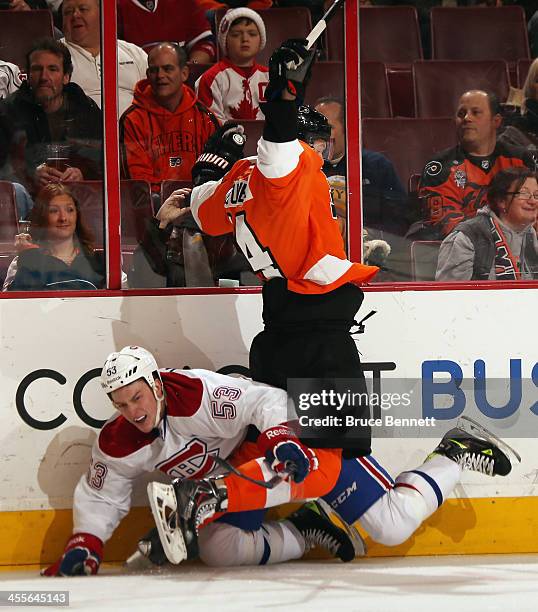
(181, 422)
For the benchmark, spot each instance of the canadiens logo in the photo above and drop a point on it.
(460, 178)
(433, 168)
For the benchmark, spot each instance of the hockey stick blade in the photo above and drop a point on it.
(162, 500)
(359, 544)
(321, 25)
(471, 426)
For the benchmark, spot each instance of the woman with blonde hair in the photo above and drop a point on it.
(524, 129)
(60, 253)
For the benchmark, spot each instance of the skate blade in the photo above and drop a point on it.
(162, 498)
(472, 427)
(359, 545)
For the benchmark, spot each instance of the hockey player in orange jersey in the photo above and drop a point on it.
(278, 206)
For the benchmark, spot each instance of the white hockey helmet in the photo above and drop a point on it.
(126, 366)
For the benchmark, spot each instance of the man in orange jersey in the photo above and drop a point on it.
(278, 206)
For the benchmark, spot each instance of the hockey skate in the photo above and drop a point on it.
(179, 511)
(317, 529)
(473, 447)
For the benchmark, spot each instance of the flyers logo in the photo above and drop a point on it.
(433, 168)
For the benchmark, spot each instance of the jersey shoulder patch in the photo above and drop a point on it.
(119, 438)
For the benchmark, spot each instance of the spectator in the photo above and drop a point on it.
(54, 129)
(147, 24)
(454, 183)
(60, 254)
(524, 131)
(165, 129)
(81, 24)
(234, 88)
(384, 197)
(10, 79)
(173, 252)
(25, 5)
(499, 243)
(213, 5)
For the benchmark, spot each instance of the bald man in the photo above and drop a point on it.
(165, 129)
(454, 183)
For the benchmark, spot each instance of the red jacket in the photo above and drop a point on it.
(158, 144)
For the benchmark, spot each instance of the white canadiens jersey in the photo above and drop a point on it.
(207, 415)
(233, 93)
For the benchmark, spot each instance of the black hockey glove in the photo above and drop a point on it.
(289, 68)
(222, 149)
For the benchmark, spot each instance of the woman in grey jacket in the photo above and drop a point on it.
(500, 243)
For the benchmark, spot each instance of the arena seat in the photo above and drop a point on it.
(334, 37)
(424, 254)
(375, 95)
(280, 24)
(328, 79)
(19, 30)
(170, 185)
(479, 33)
(408, 143)
(136, 207)
(8, 216)
(389, 34)
(438, 85)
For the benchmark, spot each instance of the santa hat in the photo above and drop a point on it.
(240, 13)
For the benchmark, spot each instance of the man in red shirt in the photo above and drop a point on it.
(148, 23)
(165, 129)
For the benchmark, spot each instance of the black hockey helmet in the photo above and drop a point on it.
(312, 126)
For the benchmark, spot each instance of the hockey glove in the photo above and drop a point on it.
(222, 149)
(82, 557)
(289, 68)
(286, 453)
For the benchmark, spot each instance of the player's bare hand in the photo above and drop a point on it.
(72, 174)
(174, 207)
(23, 242)
(46, 174)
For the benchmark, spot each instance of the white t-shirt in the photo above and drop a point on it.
(132, 65)
(9, 79)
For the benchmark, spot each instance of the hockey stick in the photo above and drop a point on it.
(321, 25)
(269, 484)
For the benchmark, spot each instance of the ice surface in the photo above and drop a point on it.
(433, 584)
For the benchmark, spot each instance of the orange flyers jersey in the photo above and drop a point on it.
(278, 205)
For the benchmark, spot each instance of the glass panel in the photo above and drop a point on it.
(437, 148)
(51, 160)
